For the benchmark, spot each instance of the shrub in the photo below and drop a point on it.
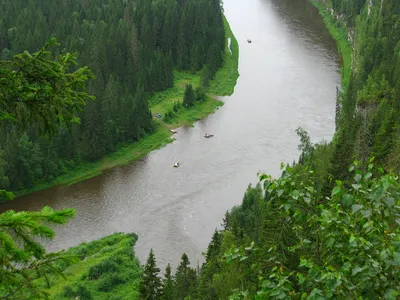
(107, 266)
(110, 281)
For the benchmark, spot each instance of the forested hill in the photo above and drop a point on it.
(369, 123)
(132, 47)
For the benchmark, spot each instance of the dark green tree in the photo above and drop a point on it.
(189, 97)
(205, 77)
(23, 260)
(150, 286)
(184, 279)
(168, 285)
(34, 88)
(200, 93)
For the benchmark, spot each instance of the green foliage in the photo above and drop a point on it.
(107, 269)
(200, 93)
(189, 97)
(150, 286)
(353, 237)
(110, 265)
(225, 79)
(167, 285)
(305, 146)
(23, 259)
(36, 88)
(205, 78)
(81, 292)
(184, 279)
(345, 245)
(369, 104)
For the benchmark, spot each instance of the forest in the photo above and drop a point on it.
(328, 228)
(131, 48)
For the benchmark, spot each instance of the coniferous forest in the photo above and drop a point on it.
(131, 48)
(328, 228)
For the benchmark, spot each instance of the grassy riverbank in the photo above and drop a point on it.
(223, 84)
(106, 269)
(339, 32)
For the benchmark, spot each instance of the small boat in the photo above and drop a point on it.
(208, 135)
(249, 41)
(177, 165)
(173, 131)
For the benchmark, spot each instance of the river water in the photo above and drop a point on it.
(288, 76)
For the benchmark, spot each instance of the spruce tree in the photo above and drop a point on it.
(184, 279)
(205, 78)
(168, 285)
(150, 286)
(189, 97)
(23, 259)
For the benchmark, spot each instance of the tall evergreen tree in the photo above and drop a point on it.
(168, 285)
(150, 286)
(189, 97)
(184, 279)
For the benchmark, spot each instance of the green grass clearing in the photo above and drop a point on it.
(107, 269)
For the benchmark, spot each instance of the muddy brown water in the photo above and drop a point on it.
(288, 78)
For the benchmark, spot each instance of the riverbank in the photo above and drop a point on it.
(222, 85)
(106, 268)
(339, 33)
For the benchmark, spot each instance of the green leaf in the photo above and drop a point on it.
(357, 207)
(347, 199)
(366, 213)
(367, 176)
(391, 294)
(330, 242)
(358, 178)
(378, 193)
(356, 186)
(389, 201)
(301, 278)
(355, 271)
(336, 190)
(305, 263)
(351, 168)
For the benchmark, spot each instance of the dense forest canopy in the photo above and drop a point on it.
(368, 124)
(132, 48)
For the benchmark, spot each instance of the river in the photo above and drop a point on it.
(288, 76)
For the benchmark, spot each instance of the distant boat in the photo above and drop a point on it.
(177, 165)
(249, 41)
(208, 135)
